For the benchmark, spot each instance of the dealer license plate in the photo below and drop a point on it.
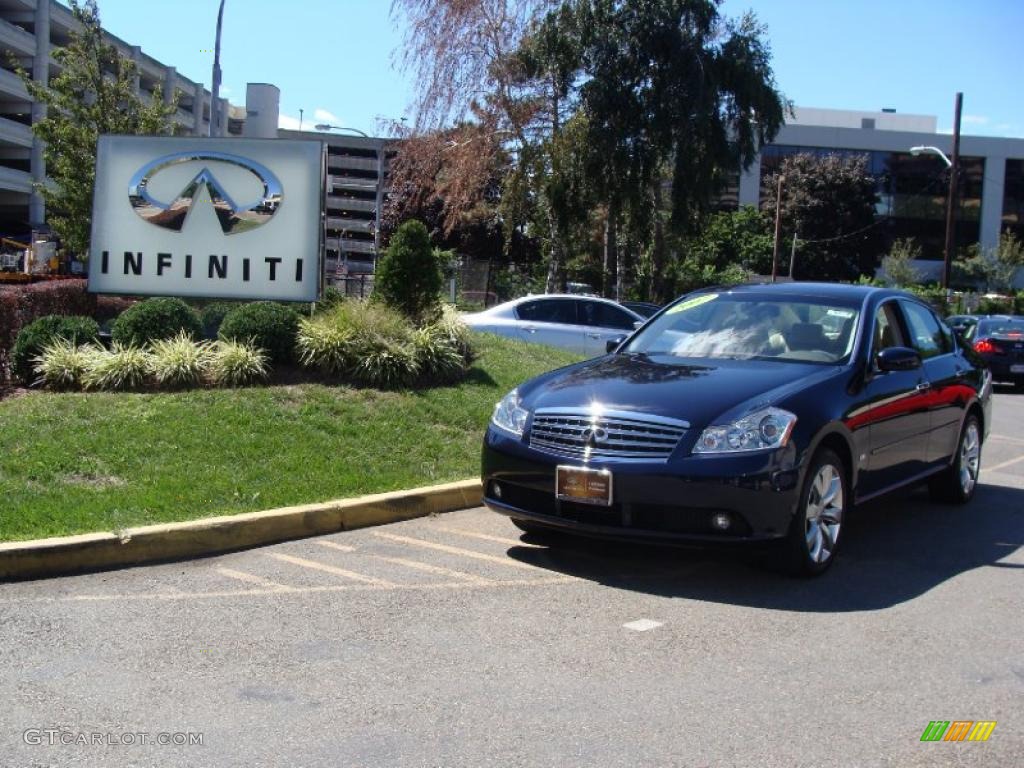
(1017, 369)
(588, 486)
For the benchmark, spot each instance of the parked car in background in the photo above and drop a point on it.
(1000, 343)
(752, 414)
(582, 324)
(962, 323)
(642, 308)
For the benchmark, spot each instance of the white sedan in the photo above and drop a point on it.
(582, 324)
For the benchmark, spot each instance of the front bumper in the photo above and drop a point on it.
(672, 501)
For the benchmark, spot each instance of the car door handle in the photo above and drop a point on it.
(530, 329)
(961, 373)
(594, 335)
(924, 386)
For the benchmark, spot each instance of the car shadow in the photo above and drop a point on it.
(892, 551)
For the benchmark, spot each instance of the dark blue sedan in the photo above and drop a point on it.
(749, 414)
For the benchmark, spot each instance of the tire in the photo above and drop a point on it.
(815, 534)
(957, 484)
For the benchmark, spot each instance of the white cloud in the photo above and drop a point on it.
(975, 119)
(288, 122)
(326, 117)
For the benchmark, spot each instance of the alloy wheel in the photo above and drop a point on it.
(970, 458)
(824, 514)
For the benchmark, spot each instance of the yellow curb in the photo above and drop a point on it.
(212, 535)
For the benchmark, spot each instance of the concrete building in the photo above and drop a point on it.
(912, 189)
(29, 30)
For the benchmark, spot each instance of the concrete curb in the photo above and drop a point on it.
(213, 535)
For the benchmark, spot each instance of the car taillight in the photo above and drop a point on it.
(988, 347)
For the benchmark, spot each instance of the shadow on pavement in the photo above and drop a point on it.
(892, 551)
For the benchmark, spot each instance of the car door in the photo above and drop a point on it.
(603, 321)
(892, 419)
(945, 370)
(551, 321)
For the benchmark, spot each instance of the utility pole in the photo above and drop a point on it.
(778, 228)
(215, 93)
(951, 202)
(792, 255)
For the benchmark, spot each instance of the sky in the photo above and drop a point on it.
(334, 59)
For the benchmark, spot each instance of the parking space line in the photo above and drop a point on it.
(314, 565)
(1001, 465)
(249, 578)
(1008, 439)
(434, 569)
(335, 545)
(459, 551)
(487, 537)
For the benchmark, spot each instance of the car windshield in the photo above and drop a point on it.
(1012, 326)
(751, 326)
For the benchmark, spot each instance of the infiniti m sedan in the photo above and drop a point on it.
(759, 413)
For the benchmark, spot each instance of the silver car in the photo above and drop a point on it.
(582, 324)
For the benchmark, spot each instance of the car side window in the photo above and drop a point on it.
(548, 311)
(926, 332)
(887, 329)
(601, 315)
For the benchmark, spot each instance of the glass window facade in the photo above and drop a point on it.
(1013, 198)
(911, 191)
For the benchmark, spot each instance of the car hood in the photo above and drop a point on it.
(697, 391)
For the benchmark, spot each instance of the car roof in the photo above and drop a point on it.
(842, 291)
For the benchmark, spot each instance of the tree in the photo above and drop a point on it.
(408, 274)
(828, 203)
(899, 264)
(741, 238)
(93, 94)
(994, 268)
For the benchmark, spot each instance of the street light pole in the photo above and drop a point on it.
(327, 127)
(778, 228)
(215, 93)
(954, 172)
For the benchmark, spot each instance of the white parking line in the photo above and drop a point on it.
(434, 569)
(337, 546)
(459, 551)
(486, 537)
(642, 625)
(314, 565)
(249, 578)
(1007, 463)
(1008, 439)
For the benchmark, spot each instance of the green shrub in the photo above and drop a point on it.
(452, 326)
(437, 357)
(179, 362)
(120, 368)
(63, 364)
(233, 364)
(408, 275)
(37, 335)
(213, 314)
(386, 364)
(332, 295)
(270, 326)
(995, 307)
(155, 319)
(326, 347)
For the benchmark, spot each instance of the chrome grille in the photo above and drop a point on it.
(620, 435)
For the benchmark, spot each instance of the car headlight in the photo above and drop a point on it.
(762, 430)
(509, 415)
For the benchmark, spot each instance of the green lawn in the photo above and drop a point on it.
(75, 463)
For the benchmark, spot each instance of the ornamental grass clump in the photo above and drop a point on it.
(120, 368)
(234, 363)
(63, 364)
(179, 362)
(437, 356)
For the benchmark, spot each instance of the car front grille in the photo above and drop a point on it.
(617, 435)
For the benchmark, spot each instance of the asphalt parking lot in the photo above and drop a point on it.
(455, 641)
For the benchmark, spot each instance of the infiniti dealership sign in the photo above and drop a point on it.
(217, 218)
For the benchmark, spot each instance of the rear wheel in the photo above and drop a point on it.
(957, 484)
(814, 533)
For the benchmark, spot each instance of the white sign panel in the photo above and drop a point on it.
(204, 217)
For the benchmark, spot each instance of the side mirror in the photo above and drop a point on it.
(612, 344)
(898, 359)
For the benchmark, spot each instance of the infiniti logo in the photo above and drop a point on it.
(234, 218)
(594, 436)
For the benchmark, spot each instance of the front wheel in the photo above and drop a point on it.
(957, 484)
(814, 533)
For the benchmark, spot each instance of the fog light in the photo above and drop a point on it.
(496, 490)
(721, 521)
